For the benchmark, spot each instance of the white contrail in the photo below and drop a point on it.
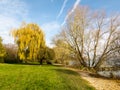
(74, 7)
(62, 8)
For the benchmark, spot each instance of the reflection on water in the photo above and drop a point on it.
(110, 73)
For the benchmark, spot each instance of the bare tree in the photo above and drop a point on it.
(90, 34)
(61, 50)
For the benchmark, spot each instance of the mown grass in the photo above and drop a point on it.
(36, 77)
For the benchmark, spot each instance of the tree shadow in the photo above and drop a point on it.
(34, 64)
(66, 71)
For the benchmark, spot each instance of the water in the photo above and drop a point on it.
(110, 73)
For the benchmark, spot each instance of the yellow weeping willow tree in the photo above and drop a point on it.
(30, 40)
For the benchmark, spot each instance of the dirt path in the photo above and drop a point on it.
(100, 83)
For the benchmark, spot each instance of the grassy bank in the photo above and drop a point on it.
(36, 77)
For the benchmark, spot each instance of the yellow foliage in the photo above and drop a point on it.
(2, 49)
(30, 39)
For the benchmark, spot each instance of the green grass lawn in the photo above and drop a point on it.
(36, 77)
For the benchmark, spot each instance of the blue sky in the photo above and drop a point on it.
(48, 14)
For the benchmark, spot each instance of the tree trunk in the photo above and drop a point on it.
(41, 61)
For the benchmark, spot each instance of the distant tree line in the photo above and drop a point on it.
(2, 51)
(29, 46)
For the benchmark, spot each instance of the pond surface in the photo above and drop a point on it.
(110, 73)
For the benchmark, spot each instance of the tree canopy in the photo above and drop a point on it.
(30, 40)
(2, 50)
(93, 37)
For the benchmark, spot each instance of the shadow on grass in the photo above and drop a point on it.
(66, 71)
(33, 64)
(23, 63)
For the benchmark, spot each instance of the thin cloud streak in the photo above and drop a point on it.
(74, 7)
(62, 8)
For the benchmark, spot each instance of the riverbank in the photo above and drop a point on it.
(100, 83)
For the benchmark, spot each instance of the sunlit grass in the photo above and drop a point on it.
(36, 77)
